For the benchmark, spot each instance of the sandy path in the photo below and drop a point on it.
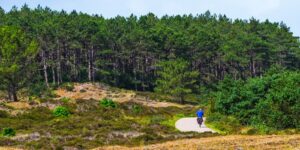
(190, 124)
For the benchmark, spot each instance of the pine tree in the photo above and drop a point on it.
(175, 79)
(17, 53)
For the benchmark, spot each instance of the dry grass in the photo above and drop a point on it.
(237, 142)
(88, 91)
(96, 91)
(19, 105)
(9, 148)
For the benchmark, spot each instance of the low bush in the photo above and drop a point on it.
(65, 99)
(137, 109)
(107, 103)
(61, 111)
(3, 114)
(82, 91)
(267, 102)
(37, 114)
(8, 132)
(68, 86)
(157, 119)
(170, 121)
(37, 89)
(223, 124)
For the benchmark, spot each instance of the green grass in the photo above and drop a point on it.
(171, 122)
(223, 124)
(214, 126)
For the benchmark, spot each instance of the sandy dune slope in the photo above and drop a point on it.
(231, 142)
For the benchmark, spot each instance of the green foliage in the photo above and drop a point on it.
(157, 119)
(39, 114)
(68, 86)
(40, 90)
(271, 101)
(175, 78)
(3, 114)
(65, 99)
(8, 132)
(223, 124)
(17, 53)
(137, 109)
(107, 103)
(37, 89)
(123, 51)
(61, 111)
(171, 121)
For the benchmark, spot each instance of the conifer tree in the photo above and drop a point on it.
(17, 53)
(175, 79)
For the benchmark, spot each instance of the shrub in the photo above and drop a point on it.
(3, 114)
(157, 119)
(107, 103)
(136, 109)
(82, 91)
(68, 86)
(61, 111)
(223, 124)
(37, 89)
(270, 101)
(170, 122)
(65, 99)
(39, 114)
(8, 132)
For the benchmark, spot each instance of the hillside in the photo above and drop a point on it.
(134, 119)
(239, 142)
(137, 120)
(96, 91)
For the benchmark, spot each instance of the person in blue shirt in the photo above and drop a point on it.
(200, 114)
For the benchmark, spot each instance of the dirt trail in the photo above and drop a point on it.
(191, 125)
(88, 91)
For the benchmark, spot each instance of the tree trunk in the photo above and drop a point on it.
(12, 92)
(89, 65)
(254, 68)
(182, 99)
(75, 67)
(53, 75)
(92, 64)
(45, 68)
(59, 80)
(9, 93)
(53, 68)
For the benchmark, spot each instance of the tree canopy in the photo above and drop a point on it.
(175, 78)
(17, 53)
(123, 51)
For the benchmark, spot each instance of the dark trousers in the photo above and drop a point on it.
(200, 120)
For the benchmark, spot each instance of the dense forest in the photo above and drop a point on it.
(124, 51)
